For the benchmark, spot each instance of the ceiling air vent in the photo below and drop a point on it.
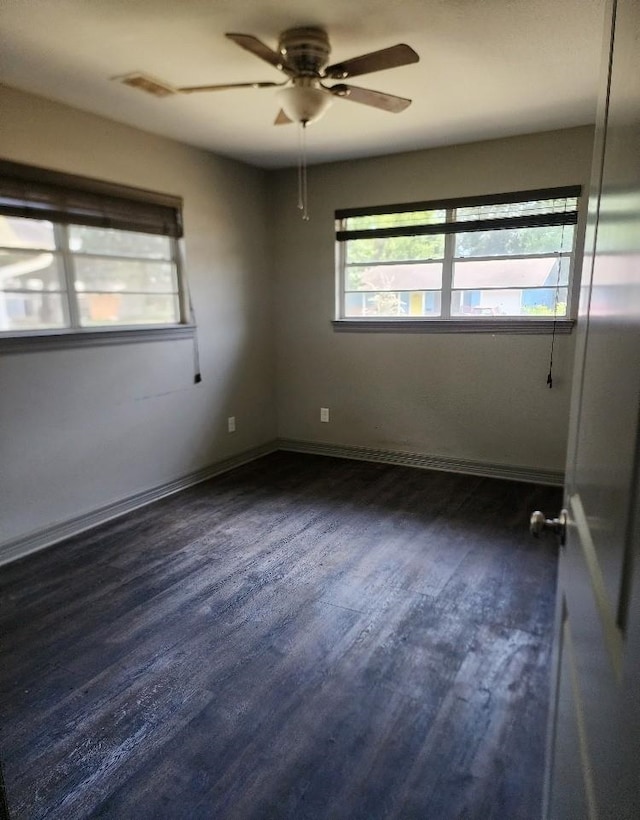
(144, 82)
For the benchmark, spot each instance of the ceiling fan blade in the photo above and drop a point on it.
(391, 57)
(191, 88)
(282, 119)
(259, 49)
(378, 99)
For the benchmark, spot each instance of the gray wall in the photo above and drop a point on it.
(85, 428)
(475, 397)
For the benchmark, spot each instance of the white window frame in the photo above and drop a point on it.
(65, 200)
(446, 323)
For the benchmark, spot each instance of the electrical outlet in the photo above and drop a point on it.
(231, 424)
(324, 414)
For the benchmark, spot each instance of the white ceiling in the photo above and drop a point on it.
(488, 68)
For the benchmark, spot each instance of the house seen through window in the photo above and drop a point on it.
(508, 255)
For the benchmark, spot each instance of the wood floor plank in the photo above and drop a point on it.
(303, 637)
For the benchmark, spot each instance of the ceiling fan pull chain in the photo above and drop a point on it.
(300, 200)
(305, 188)
(303, 197)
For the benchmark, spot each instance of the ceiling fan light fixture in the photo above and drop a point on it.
(303, 103)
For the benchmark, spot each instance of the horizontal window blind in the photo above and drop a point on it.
(541, 218)
(39, 193)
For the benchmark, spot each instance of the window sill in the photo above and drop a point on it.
(32, 342)
(493, 325)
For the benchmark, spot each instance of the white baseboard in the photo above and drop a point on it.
(24, 545)
(450, 465)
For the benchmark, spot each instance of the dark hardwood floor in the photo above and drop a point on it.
(303, 637)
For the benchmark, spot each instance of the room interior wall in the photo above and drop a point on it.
(81, 429)
(480, 398)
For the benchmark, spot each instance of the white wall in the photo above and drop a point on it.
(85, 428)
(476, 397)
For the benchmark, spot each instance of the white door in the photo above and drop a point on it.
(594, 755)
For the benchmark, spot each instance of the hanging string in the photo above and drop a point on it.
(550, 373)
(303, 194)
(555, 304)
(305, 188)
(300, 151)
(197, 374)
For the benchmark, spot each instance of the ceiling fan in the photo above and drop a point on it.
(302, 55)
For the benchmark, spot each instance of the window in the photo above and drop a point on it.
(507, 255)
(78, 255)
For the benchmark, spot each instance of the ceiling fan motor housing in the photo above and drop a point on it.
(306, 50)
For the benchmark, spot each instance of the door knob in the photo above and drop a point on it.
(538, 523)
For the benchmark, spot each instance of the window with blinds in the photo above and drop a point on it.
(507, 255)
(79, 254)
